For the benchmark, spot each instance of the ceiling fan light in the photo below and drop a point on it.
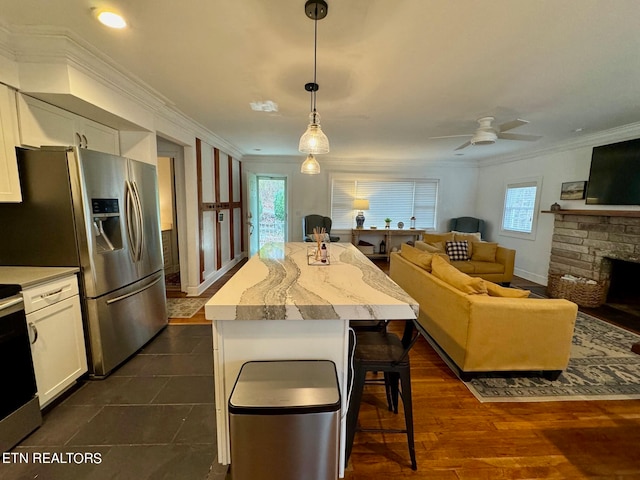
(484, 138)
(310, 166)
(313, 140)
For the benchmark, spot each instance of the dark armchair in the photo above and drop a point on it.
(467, 225)
(310, 222)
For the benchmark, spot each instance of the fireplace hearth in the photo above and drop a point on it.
(603, 246)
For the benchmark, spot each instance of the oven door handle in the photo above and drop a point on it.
(10, 303)
(35, 333)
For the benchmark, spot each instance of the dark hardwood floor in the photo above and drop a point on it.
(617, 314)
(457, 437)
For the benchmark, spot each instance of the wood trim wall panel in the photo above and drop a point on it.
(216, 163)
(231, 203)
(200, 219)
(211, 204)
(242, 231)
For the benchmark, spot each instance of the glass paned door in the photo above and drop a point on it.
(272, 210)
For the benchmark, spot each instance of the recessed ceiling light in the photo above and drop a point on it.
(111, 19)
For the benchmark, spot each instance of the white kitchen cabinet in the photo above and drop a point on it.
(57, 340)
(41, 124)
(9, 180)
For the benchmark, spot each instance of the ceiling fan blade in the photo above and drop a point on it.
(464, 145)
(512, 124)
(450, 136)
(516, 136)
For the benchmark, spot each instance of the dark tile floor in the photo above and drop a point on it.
(153, 418)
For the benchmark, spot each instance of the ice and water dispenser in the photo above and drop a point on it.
(106, 224)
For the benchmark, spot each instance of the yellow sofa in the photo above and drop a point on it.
(496, 265)
(482, 333)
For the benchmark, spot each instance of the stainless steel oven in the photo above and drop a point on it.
(19, 406)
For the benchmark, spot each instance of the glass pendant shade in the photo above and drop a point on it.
(310, 166)
(314, 141)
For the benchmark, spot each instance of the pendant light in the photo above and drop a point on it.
(314, 141)
(310, 166)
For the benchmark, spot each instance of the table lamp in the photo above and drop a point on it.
(360, 204)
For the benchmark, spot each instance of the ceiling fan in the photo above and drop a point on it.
(486, 134)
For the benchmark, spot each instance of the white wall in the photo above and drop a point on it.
(532, 255)
(554, 167)
(312, 193)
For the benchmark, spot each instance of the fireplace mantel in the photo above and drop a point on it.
(597, 213)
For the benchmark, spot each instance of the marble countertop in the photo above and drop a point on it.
(279, 284)
(30, 276)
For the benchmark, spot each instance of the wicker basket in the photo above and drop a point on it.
(583, 293)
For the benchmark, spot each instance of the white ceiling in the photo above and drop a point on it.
(392, 74)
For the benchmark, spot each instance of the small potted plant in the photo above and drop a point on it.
(387, 222)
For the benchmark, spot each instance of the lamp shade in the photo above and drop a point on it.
(310, 166)
(361, 204)
(313, 140)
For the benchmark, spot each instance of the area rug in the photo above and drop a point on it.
(184, 307)
(601, 367)
(172, 282)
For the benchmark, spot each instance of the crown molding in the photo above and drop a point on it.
(617, 134)
(50, 45)
(6, 49)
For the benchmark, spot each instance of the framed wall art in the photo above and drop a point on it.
(573, 190)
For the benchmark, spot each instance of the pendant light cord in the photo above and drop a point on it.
(315, 62)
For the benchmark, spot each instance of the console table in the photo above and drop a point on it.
(387, 234)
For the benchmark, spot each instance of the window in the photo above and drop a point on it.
(520, 203)
(398, 200)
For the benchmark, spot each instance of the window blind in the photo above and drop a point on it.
(398, 200)
(519, 205)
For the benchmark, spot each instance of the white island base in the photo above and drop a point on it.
(235, 343)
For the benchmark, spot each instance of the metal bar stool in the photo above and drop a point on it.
(359, 326)
(384, 352)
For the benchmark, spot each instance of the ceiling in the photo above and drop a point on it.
(391, 74)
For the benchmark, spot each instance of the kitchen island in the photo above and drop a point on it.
(282, 305)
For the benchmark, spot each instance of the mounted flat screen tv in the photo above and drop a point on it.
(614, 178)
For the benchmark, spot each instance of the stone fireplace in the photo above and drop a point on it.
(602, 245)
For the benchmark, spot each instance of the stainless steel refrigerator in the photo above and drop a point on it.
(98, 212)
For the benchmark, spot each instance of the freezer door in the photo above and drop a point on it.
(120, 323)
(144, 184)
(100, 202)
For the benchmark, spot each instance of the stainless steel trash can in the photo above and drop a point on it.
(284, 419)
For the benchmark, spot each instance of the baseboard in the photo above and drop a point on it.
(197, 291)
(533, 277)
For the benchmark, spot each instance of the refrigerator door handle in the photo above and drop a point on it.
(136, 195)
(131, 221)
(135, 292)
